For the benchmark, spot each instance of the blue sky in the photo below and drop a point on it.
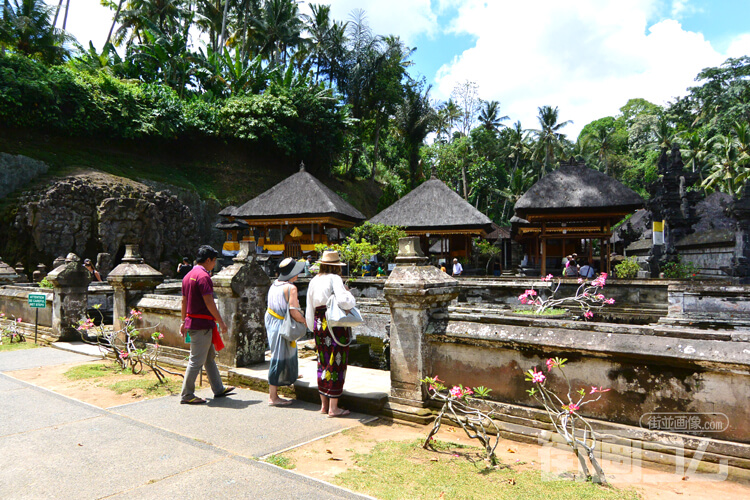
(588, 57)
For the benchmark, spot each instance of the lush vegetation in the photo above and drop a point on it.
(340, 98)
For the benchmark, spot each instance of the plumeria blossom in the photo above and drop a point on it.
(600, 281)
(580, 280)
(547, 278)
(124, 355)
(537, 377)
(588, 315)
(609, 301)
(135, 313)
(571, 407)
(456, 391)
(550, 364)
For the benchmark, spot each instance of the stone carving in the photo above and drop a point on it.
(104, 213)
(740, 211)
(71, 282)
(673, 201)
(39, 274)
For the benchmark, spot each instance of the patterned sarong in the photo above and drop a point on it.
(332, 358)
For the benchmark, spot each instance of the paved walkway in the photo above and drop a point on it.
(56, 447)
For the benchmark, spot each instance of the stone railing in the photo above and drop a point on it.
(649, 369)
(14, 302)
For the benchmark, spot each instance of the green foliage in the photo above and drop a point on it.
(354, 253)
(383, 238)
(487, 249)
(627, 269)
(280, 461)
(45, 283)
(679, 270)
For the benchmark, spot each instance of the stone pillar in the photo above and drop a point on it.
(104, 264)
(7, 274)
(414, 290)
(241, 295)
(71, 282)
(130, 280)
(21, 272)
(40, 273)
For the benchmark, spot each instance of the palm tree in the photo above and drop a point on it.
(447, 116)
(277, 28)
(489, 116)
(26, 28)
(114, 21)
(696, 150)
(415, 119)
(728, 172)
(601, 140)
(549, 138)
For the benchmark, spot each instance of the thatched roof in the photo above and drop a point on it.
(433, 206)
(575, 187)
(298, 195)
(235, 224)
(227, 211)
(498, 233)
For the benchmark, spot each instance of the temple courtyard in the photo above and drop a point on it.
(128, 445)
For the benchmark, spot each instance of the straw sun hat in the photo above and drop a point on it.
(331, 258)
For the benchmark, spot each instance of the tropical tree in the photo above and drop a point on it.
(448, 115)
(548, 136)
(415, 119)
(277, 28)
(466, 95)
(489, 116)
(25, 28)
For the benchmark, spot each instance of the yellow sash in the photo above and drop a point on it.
(273, 313)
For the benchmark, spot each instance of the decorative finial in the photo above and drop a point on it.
(302, 166)
(434, 175)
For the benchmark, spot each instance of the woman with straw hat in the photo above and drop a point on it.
(282, 296)
(331, 344)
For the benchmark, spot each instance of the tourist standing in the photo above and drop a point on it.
(331, 343)
(199, 318)
(308, 265)
(184, 267)
(457, 268)
(282, 296)
(571, 269)
(95, 276)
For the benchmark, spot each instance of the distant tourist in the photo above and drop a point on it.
(442, 267)
(282, 296)
(308, 265)
(331, 343)
(199, 318)
(586, 271)
(571, 268)
(95, 276)
(184, 267)
(457, 268)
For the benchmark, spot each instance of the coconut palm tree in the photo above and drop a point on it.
(277, 29)
(25, 27)
(548, 136)
(601, 140)
(415, 119)
(489, 116)
(448, 115)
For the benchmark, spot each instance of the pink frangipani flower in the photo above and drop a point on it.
(538, 377)
(456, 391)
(550, 364)
(588, 315)
(609, 301)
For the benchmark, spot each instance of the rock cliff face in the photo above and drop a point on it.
(93, 212)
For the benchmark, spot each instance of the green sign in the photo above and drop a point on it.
(38, 300)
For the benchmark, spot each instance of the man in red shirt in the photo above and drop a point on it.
(199, 318)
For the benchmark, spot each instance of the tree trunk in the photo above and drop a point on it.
(224, 26)
(114, 21)
(375, 151)
(65, 19)
(57, 12)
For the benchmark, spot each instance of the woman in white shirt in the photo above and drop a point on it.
(331, 344)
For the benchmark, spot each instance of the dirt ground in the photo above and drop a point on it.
(330, 456)
(325, 458)
(92, 391)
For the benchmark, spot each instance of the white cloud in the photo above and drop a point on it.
(87, 20)
(586, 56)
(740, 46)
(405, 18)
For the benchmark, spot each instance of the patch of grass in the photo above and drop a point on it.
(394, 468)
(92, 370)
(548, 312)
(280, 461)
(16, 346)
(148, 384)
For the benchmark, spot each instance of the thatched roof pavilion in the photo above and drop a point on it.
(434, 210)
(566, 210)
(293, 215)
